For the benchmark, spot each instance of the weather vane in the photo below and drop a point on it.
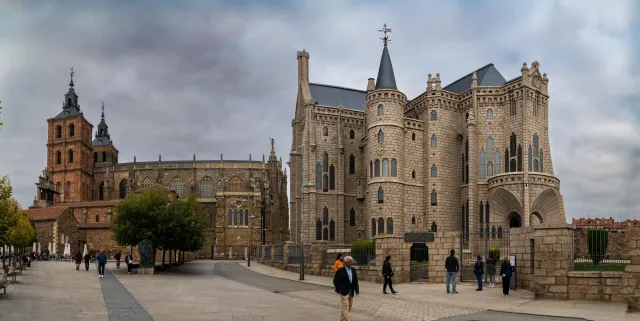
(72, 72)
(384, 30)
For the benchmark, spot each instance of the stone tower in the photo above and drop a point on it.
(384, 151)
(69, 150)
(106, 155)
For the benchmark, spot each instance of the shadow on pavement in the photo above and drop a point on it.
(240, 274)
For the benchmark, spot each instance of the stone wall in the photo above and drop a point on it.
(438, 251)
(522, 244)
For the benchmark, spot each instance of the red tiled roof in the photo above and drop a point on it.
(94, 225)
(46, 213)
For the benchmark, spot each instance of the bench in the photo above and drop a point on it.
(4, 283)
(132, 266)
(18, 267)
(11, 274)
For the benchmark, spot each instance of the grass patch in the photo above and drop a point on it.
(602, 267)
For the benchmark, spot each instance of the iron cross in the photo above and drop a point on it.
(384, 30)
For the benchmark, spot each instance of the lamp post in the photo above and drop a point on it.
(299, 225)
(251, 217)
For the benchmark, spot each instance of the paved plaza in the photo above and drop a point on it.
(223, 290)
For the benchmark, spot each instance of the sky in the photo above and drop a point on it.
(212, 77)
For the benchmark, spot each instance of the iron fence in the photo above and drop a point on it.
(294, 254)
(482, 243)
(260, 251)
(278, 252)
(599, 250)
(364, 257)
(267, 252)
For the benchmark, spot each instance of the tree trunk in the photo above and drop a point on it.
(170, 257)
(163, 254)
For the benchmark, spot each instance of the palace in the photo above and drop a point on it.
(83, 182)
(471, 156)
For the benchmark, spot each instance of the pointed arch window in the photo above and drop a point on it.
(58, 157)
(325, 131)
(100, 191)
(380, 110)
(122, 189)
(385, 167)
(467, 220)
(519, 158)
(512, 165)
(178, 186)
(332, 231)
(466, 150)
(380, 195)
(462, 220)
(352, 164)
(489, 169)
(506, 160)
(236, 217)
(499, 232)
(493, 232)
(434, 170)
(380, 136)
(434, 141)
(332, 177)
(325, 183)
(497, 164)
(536, 165)
(206, 187)
(352, 134)
(489, 114)
(462, 167)
(370, 169)
(325, 162)
(483, 173)
(318, 230)
(434, 115)
(389, 225)
(352, 217)
(466, 174)
(489, 146)
(394, 168)
(481, 212)
(513, 144)
(413, 173)
(325, 216)
(512, 104)
(325, 234)
(413, 136)
(58, 131)
(67, 189)
(377, 168)
(373, 227)
(434, 198)
(413, 220)
(380, 225)
(72, 130)
(486, 212)
(530, 160)
(536, 143)
(318, 176)
(541, 162)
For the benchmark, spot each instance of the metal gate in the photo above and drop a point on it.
(492, 239)
(419, 266)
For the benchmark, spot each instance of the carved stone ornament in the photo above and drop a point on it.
(380, 150)
(537, 82)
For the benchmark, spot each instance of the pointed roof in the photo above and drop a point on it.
(70, 106)
(102, 135)
(487, 76)
(386, 79)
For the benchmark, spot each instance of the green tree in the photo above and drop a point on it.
(6, 191)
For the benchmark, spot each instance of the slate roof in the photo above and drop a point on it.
(386, 79)
(46, 213)
(487, 76)
(68, 112)
(333, 96)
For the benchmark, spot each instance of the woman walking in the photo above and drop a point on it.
(338, 263)
(478, 270)
(491, 270)
(387, 273)
(505, 272)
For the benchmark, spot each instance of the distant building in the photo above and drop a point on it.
(608, 224)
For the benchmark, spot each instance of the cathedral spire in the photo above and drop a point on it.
(102, 135)
(71, 73)
(386, 79)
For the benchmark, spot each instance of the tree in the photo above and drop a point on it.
(139, 216)
(6, 191)
(182, 227)
(15, 227)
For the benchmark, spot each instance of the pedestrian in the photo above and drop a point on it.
(453, 267)
(77, 257)
(387, 273)
(505, 272)
(346, 284)
(87, 258)
(491, 270)
(338, 263)
(102, 261)
(117, 257)
(478, 270)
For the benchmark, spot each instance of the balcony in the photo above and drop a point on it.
(518, 178)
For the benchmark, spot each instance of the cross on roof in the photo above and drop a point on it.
(384, 30)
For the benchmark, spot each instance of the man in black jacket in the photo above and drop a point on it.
(346, 283)
(452, 266)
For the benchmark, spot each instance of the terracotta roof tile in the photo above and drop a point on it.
(46, 213)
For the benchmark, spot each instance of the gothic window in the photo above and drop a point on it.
(481, 213)
(72, 130)
(389, 225)
(70, 156)
(325, 216)
(325, 234)
(462, 219)
(380, 195)
(394, 168)
(178, 186)
(209, 216)
(380, 136)
(318, 230)
(413, 173)
(67, 189)
(352, 217)
(373, 227)
(536, 102)
(536, 146)
(246, 217)
(235, 217)
(413, 136)
(101, 192)
(462, 168)
(380, 110)
(58, 157)
(235, 184)
(352, 134)
(325, 162)
(489, 145)
(325, 131)
(489, 169)
(541, 162)
(466, 174)
(434, 171)
(104, 156)
(434, 115)
(467, 219)
(489, 114)
(332, 231)
(332, 177)
(483, 173)
(206, 187)
(146, 182)
(380, 225)
(434, 198)
(434, 227)
(513, 144)
(497, 164)
(506, 160)
(352, 164)
(385, 167)
(512, 165)
(519, 158)
(512, 109)
(486, 212)
(466, 150)
(493, 232)
(95, 157)
(377, 168)
(499, 232)
(434, 141)
(325, 183)
(58, 131)
(530, 160)
(370, 169)
(536, 165)
(318, 176)
(123, 189)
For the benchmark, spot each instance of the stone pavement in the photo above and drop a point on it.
(121, 305)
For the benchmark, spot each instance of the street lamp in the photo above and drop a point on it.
(299, 225)
(251, 217)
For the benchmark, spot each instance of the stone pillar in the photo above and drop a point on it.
(285, 253)
(318, 256)
(439, 250)
(632, 277)
(552, 252)
(400, 255)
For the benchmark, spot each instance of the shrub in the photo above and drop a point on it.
(597, 243)
(363, 251)
(496, 253)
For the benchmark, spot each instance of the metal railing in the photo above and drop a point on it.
(260, 251)
(267, 252)
(599, 250)
(278, 252)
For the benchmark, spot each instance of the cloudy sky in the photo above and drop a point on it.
(211, 77)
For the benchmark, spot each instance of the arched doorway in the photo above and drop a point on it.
(514, 219)
(419, 266)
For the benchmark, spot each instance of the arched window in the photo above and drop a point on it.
(486, 212)
(413, 220)
(512, 105)
(246, 217)
(536, 165)
(506, 160)
(462, 168)
(178, 186)
(513, 144)
(206, 187)
(434, 226)
(101, 192)
(493, 232)
(530, 160)
(235, 184)
(104, 156)
(332, 177)
(95, 157)
(489, 114)
(352, 134)
(434, 141)
(462, 219)
(413, 173)
(58, 157)
(489, 169)
(483, 173)
(146, 182)
(377, 168)
(380, 225)
(325, 162)
(318, 176)
(519, 158)
(434, 115)
(380, 136)
(318, 230)
(380, 110)
(352, 217)
(497, 167)
(385, 167)
(325, 216)
(325, 131)
(325, 183)
(434, 198)
(373, 227)
(370, 169)
(489, 145)
(512, 165)
(58, 131)
(352, 164)
(380, 195)
(236, 217)
(536, 146)
(466, 174)
(58, 188)
(70, 156)
(499, 232)
(413, 136)
(389, 225)
(67, 189)
(394, 168)
(434, 170)
(325, 234)
(541, 162)
(72, 130)
(332, 231)
(123, 189)
(481, 213)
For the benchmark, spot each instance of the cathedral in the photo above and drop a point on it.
(79, 190)
(472, 156)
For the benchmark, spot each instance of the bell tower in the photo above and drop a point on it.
(69, 151)
(104, 153)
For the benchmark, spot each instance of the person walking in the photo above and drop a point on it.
(453, 267)
(77, 257)
(491, 270)
(505, 272)
(478, 270)
(117, 257)
(346, 283)
(102, 261)
(87, 259)
(338, 263)
(387, 273)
